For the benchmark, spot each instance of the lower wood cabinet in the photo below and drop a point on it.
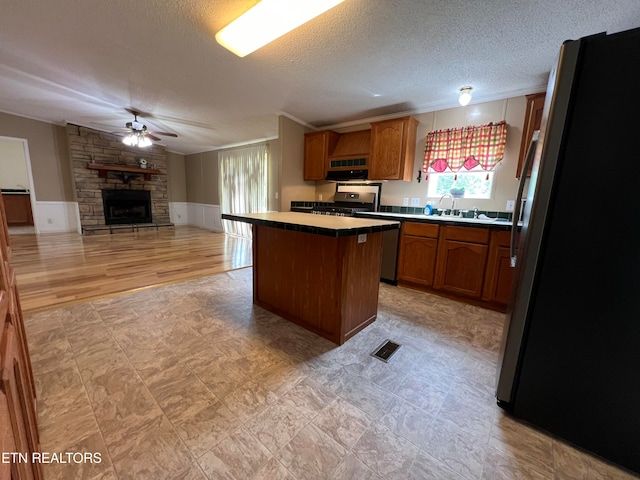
(499, 277)
(464, 262)
(18, 209)
(460, 267)
(418, 256)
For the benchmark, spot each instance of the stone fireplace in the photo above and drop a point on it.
(95, 188)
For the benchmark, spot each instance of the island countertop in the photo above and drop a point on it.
(327, 225)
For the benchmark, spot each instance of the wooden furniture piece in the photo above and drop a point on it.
(320, 272)
(123, 172)
(418, 251)
(317, 148)
(18, 209)
(532, 120)
(499, 273)
(18, 428)
(462, 255)
(393, 148)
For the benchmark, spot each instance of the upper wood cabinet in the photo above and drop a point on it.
(532, 120)
(393, 149)
(317, 148)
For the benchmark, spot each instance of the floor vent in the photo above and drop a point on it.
(385, 351)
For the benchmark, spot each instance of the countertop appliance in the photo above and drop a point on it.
(571, 347)
(345, 204)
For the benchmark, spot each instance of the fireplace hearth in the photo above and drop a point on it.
(126, 206)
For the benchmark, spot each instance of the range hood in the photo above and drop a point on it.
(352, 144)
(346, 175)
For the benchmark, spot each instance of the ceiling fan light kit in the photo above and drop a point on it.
(268, 20)
(139, 135)
(137, 139)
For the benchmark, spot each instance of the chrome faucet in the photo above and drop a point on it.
(453, 201)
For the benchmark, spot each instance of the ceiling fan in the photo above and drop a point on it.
(139, 135)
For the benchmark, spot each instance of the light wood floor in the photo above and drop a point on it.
(59, 269)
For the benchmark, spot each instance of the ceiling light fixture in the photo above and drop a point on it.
(137, 139)
(465, 96)
(268, 20)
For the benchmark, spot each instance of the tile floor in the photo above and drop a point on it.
(191, 381)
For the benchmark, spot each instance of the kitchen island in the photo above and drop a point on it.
(321, 272)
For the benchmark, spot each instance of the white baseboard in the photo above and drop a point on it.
(50, 217)
(204, 216)
(179, 213)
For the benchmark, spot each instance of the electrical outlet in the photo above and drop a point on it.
(405, 201)
(276, 195)
(415, 202)
(510, 204)
(319, 197)
(362, 238)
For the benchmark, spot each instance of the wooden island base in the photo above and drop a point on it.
(328, 285)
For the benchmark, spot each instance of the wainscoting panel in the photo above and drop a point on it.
(50, 217)
(204, 216)
(179, 213)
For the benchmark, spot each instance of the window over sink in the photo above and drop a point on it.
(476, 149)
(476, 184)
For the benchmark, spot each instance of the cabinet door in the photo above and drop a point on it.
(532, 120)
(393, 148)
(460, 267)
(417, 259)
(18, 209)
(317, 148)
(14, 386)
(499, 277)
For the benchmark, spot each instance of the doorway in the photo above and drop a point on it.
(16, 183)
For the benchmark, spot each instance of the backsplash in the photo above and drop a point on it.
(466, 213)
(409, 210)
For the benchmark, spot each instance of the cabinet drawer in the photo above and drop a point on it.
(502, 238)
(420, 229)
(466, 234)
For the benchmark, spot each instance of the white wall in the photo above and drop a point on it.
(291, 165)
(13, 165)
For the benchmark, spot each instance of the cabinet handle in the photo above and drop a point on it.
(518, 206)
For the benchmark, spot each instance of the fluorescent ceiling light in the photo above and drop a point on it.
(267, 21)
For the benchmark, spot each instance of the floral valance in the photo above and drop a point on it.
(466, 147)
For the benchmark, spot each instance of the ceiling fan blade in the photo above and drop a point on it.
(153, 137)
(166, 134)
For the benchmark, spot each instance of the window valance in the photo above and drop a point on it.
(467, 147)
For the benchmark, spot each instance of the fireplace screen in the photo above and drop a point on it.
(126, 206)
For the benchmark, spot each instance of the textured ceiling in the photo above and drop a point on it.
(85, 62)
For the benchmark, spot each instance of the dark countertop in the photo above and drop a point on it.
(327, 225)
(14, 191)
(495, 224)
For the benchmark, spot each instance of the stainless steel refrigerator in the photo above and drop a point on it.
(571, 347)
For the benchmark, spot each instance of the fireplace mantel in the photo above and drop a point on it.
(123, 170)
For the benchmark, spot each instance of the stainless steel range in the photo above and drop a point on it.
(346, 204)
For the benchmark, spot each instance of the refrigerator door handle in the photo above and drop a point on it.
(518, 206)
